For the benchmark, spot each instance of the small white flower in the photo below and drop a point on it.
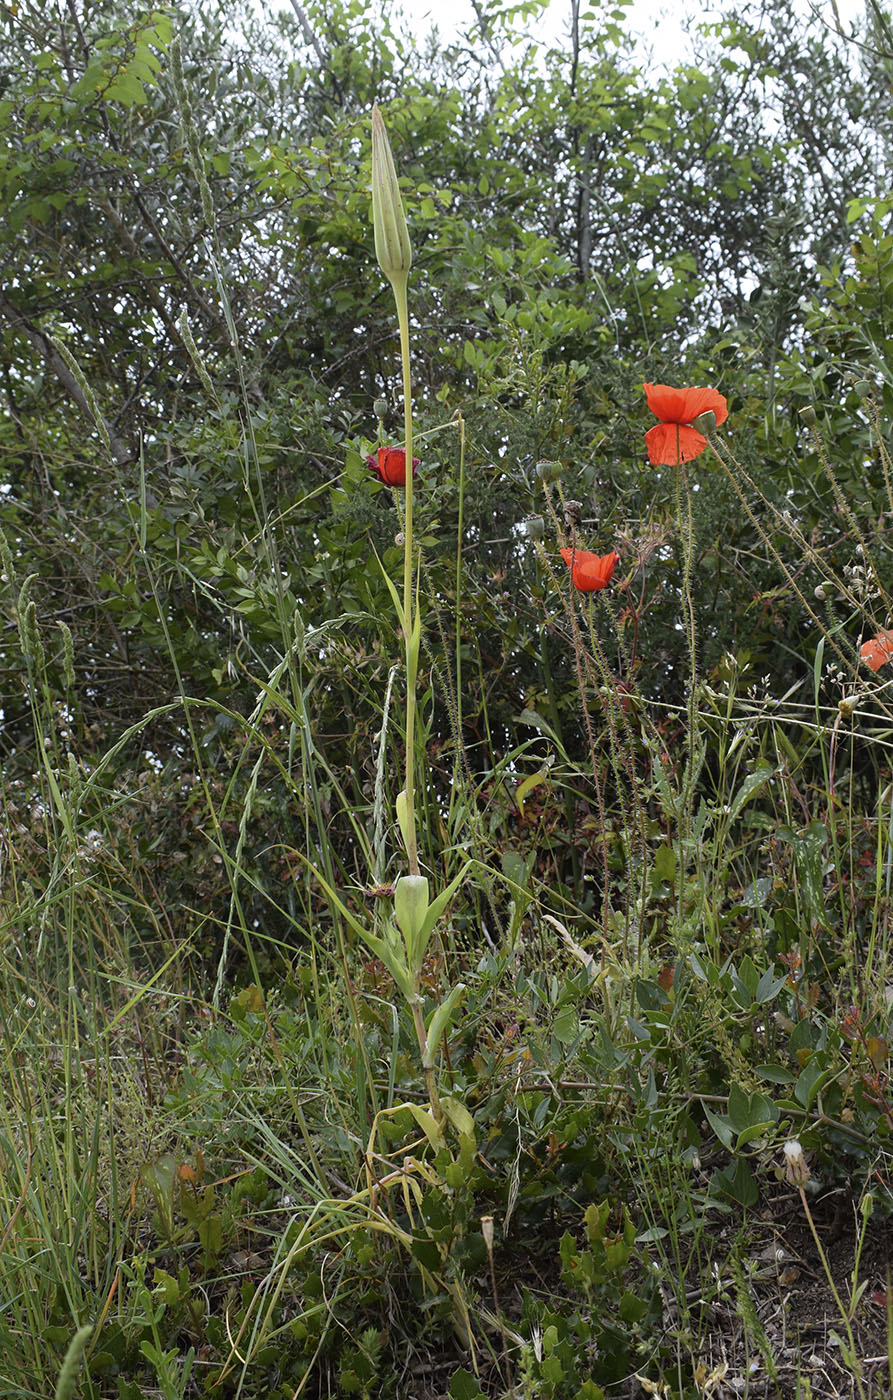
(796, 1172)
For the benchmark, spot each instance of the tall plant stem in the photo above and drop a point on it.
(410, 640)
(459, 530)
(427, 1067)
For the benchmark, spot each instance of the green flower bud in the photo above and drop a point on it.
(392, 246)
(410, 909)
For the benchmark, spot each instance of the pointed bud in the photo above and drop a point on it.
(389, 221)
(410, 909)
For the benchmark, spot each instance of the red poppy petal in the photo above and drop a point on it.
(701, 400)
(665, 402)
(591, 572)
(878, 651)
(671, 443)
(682, 405)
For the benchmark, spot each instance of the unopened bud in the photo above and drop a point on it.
(410, 908)
(392, 246)
(808, 416)
(705, 422)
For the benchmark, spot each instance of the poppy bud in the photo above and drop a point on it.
(573, 513)
(410, 908)
(380, 408)
(808, 416)
(535, 527)
(705, 422)
(392, 247)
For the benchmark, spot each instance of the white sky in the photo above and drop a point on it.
(661, 23)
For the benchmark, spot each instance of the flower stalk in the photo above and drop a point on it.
(394, 253)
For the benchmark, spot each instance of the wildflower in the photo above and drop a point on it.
(590, 572)
(796, 1172)
(878, 651)
(389, 465)
(674, 440)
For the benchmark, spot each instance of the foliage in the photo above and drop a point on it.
(655, 818)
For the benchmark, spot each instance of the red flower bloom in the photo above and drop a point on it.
(389, 465)
(878, 651)
(590, 572)
(673, 440)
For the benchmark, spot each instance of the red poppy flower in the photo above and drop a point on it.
(878, 651)
(389, 465)
(590, 572)
(674, 440)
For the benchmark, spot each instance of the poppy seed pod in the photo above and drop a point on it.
(392, 246)
(549, 471)
(380, 408)
(808, 416)
(535, 527)
(705, 422)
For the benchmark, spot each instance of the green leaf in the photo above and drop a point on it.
(720, 1126)
(525, 788)
(566, 1026)
(760, 775)
(439, 1023)
(776, 1074)
(736, 1180)
(429, 1125)
(126, 89)
(665, 864)
(463, 1386)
